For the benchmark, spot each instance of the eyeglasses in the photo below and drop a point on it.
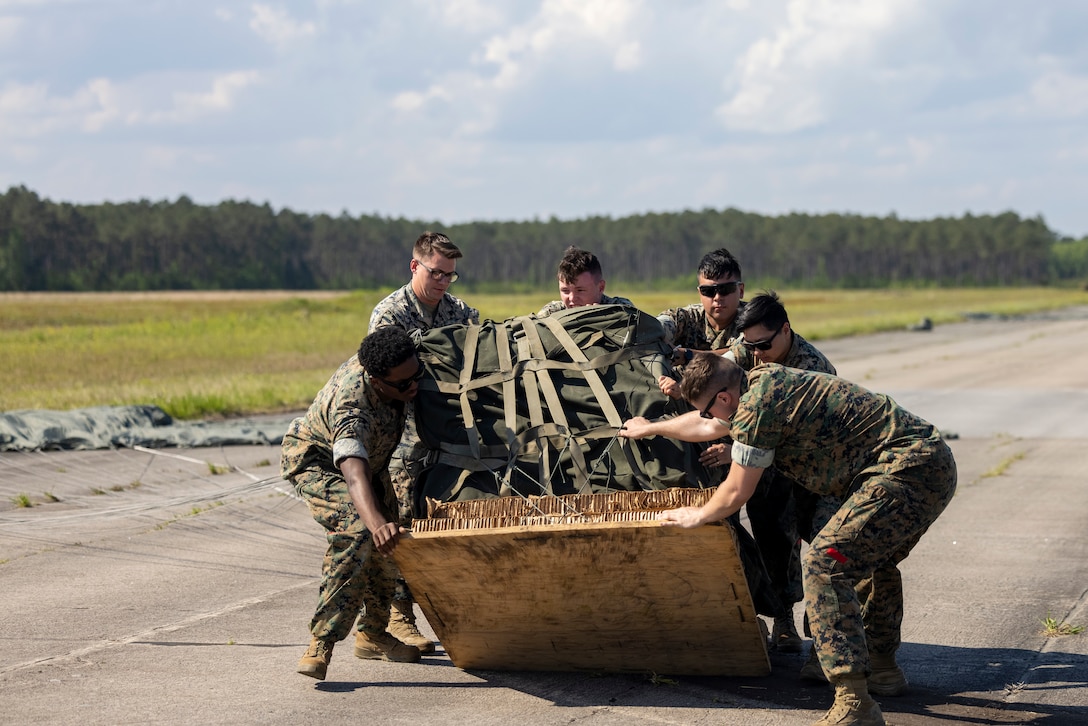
(722, 288)
(762, 344)
(438, 275)
(402, 386)
(705, 413)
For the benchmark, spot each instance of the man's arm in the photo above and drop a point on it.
(358, 476)
(685, 427)
(729, 497)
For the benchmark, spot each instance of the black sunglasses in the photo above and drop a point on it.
(722, 288)
(705, 413)
(402, 386)
(762, 344)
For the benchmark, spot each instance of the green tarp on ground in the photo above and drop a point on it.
(104, 427)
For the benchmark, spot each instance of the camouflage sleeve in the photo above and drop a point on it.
(350, 420)
(668, 322)
(384, 314)
(742, 356)
(751, 456)
(554, 306)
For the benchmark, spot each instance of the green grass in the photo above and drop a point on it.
(22, 500)
(1002, 466)
(1053, 628)
(205, 355)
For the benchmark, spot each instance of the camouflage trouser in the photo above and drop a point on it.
(859, 550)
(355, 579)
(772, 512)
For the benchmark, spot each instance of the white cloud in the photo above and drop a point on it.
(277, 27)
(1058, 94)
(31, 110)
(782, 80)
(561, 25)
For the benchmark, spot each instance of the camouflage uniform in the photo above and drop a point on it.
(689, 327)
(403, 309)
(892, 474)
(556, 306)
(347, 418)
(781, 511)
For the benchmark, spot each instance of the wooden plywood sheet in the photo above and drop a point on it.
(609, 597)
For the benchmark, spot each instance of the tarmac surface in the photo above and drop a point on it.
(175, 586)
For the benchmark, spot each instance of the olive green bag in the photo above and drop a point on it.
(534, 405)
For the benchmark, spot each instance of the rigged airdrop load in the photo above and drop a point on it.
(532, 406)
(537, 547)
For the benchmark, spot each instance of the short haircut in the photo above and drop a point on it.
(718, 264)
(430, 243)
(764, 309)
(576, 262)
(709, 372)
(385, 349)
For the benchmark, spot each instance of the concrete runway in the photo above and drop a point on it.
(158, 591)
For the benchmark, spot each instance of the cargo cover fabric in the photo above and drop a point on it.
(531, 406)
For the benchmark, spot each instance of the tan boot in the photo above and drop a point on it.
(402, 626)
(887, 678)
(384, 646)
(853, 706)
(316, 661)
(784, 637)
(811, 670)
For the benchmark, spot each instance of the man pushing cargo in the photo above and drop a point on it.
(337, 456)
(890, 470)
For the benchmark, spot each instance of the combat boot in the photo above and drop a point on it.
(316, 661)
(402, 626)
(784, 637)
(887, 678)
(812, 670)
(853, 705)
(383, 646)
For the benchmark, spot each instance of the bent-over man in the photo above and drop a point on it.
(891, 471)
(337, 457)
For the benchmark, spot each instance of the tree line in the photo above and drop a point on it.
(144, 245)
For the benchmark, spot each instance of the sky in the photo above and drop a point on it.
(461, 110)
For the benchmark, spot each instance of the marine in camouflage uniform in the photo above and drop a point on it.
(354, 417)
(891, 471)
(422, 304)
(780, 511)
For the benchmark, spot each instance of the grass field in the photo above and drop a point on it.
(208, 354)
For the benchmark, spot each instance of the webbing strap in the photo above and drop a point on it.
(472, 336)
(608, 406)
(526, 364)
(555, 404)
(509, 392)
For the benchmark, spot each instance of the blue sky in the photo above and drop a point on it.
(458, 110)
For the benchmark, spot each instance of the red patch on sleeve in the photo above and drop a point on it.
(836, 555)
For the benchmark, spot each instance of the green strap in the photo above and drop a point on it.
(472, 336)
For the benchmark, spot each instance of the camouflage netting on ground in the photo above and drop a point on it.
(106, 427)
